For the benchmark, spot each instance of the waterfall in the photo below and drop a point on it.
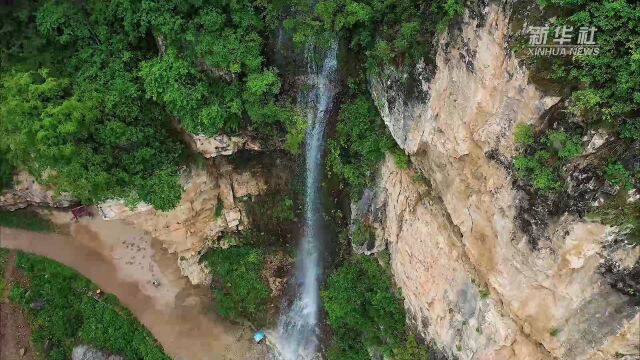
(297, 335)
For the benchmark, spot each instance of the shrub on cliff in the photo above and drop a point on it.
(359, 145)
(240, 291)
(604, 91)
(606, 86)
(365, 313)
(542, 160)
(523, 134)
(362, 234)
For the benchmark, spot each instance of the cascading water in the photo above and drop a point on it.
(297, 336)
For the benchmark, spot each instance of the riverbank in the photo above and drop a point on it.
(126, 262)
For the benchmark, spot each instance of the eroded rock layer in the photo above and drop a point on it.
(214, 202)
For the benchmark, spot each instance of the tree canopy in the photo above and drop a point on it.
(88, 89)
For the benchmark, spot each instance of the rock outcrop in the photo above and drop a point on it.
(219, 145)
(83, 352)
(213, 203)
(27, 192)
(473, 283)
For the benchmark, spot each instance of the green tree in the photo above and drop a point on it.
(384, 32)
(360, 144)
(6, 172)
(618, 175)
(69, 141)
(606, 86)
(242, 293)
(363, 310)
(187, 94)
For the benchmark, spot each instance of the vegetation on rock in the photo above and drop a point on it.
(604, 94)
(273, 218)
(72, 106)
(365, 313)
(88, 88)
(6, 171)
(395, 32)
(240, 291)
(542, 161)
(605, 88)
(362, 234)
(359, 145)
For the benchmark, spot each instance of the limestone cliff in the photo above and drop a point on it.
(213, 203)
(473, 282)
(26, 191)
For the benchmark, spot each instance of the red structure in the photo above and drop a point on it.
(81, 211)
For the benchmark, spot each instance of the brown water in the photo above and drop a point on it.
(125, 262)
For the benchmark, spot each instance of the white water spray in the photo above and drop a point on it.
(297, 336)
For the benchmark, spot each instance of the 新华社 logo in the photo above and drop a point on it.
(562, 41)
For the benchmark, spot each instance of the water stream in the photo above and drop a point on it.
(297, 335)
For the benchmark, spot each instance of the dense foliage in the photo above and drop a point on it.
(25, 220)
(360, 143)
(87, 89)
(6, 172)
(72, 106)
(384, 31)
(63, 312)
(239, 289)
(606, 86)
(365, 313)
(212, 73)
(67, 139)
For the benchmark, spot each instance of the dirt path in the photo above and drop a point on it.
(125, 262)
(15, 333)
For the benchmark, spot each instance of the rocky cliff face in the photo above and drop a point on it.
(27, 192)
(214, 202)
(473, 283)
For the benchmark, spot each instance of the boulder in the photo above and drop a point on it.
(84, 352)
